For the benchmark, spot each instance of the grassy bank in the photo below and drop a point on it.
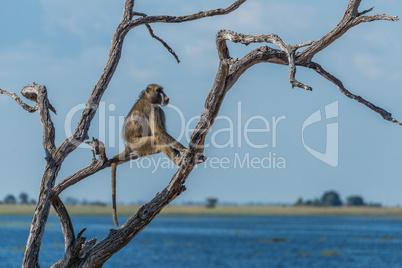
(220, 210)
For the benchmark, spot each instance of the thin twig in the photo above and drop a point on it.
(157, 37)
(151, 32)
(385, 114)
(292, 72)
(139, 14)
(377, 17)
(365, 11)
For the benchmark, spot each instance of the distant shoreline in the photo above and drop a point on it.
(219, 210)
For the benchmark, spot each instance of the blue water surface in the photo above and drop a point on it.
(227, 241)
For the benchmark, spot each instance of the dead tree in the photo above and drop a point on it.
(79, 253)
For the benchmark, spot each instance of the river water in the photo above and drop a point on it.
(227, 241)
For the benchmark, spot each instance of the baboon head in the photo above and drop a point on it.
(155, 95)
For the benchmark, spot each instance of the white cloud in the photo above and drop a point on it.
(250, 16)
(373, 34)
(290, 15)
(203, 53)
(367, 64)
(80, 16)
(259, 17)
(5, 99)
(200, 48)
(143, 75)
(30, 62)
(377, 66)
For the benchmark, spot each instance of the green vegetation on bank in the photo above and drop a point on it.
(333, 199)
(218, 210)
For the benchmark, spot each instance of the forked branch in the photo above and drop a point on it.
(25, 106)
(351, 18)
(74, 247)
(225, 35)
(38, 94)
(288, 55)
(98, 148)
(15, 97)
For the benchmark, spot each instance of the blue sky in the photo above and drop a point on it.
(64, 45)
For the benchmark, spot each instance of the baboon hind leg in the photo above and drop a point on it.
(170, 152)
(152, 145)
(144, 146)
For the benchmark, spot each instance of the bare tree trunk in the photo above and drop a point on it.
(40, 218)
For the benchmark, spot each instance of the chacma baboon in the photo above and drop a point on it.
(144, 131)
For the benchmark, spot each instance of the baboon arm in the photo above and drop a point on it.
(169, 140)
(159, 131)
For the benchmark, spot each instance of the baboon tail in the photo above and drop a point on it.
(114, 166)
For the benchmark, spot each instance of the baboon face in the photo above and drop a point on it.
(156, 95)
